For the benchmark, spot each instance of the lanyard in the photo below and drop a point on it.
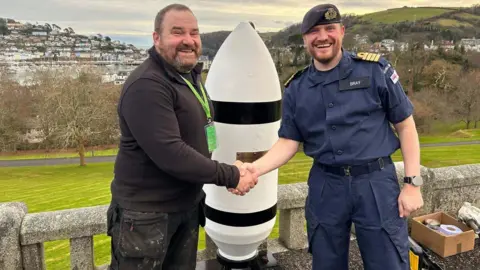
(203, 101)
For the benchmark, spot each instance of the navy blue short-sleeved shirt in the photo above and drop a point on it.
(344, 116)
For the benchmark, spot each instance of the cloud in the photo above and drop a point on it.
(129, 18)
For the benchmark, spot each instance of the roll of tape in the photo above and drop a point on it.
(433, 227)
(449, 229)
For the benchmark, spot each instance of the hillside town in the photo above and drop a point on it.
(385, 46)
(30, 42)
(389, 45)
(26, 45)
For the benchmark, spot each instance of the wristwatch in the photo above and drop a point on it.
(413, 180)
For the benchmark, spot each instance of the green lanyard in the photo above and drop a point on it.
(203, 101)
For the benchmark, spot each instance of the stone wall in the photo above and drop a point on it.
(22, 235)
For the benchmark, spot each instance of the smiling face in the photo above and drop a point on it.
(324, 42)
(178, 41)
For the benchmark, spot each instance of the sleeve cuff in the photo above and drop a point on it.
(401, 112)
(233, 183)
(289, 132)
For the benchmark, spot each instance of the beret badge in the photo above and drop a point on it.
(330, 14)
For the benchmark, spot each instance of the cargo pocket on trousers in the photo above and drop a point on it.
(397, 231)
(111, 218)
(312, 225)
(143, 235)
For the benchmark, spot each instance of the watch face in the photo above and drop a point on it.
(417, 181)
(414, 180)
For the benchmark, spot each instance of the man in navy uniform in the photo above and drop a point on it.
(342, 108)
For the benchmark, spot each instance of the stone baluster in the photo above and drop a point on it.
(81, 253)
(34, 257)
(292, 232)
(292, 228)
(11, 216)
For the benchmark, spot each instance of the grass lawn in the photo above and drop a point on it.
(452, 23)
(70, 186)
(468, 16)
(434, 157)
(456, 136)
(449, 133)
(404, 14)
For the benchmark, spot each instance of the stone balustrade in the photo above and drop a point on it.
(22, 234)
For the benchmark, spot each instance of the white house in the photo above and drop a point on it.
(388, 44)
(39, 33)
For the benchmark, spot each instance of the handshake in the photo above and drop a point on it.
(248, 178)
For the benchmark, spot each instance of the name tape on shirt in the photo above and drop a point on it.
(354, 83)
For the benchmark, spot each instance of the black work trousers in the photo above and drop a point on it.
(153, 240)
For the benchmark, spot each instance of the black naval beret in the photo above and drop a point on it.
(321, 14)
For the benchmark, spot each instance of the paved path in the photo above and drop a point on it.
(53, 161)
(62, 161)
(449, 143)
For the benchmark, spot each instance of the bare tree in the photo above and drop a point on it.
(466, 98)
(76, 108)
(14, 112)
(440, 75)
(411, 65)
(473, 58)
(46, 84)
(431, 105)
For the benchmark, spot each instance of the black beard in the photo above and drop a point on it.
(325, 61)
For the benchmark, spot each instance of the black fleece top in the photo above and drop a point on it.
(163, 160)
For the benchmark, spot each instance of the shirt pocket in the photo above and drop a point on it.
(359, 104)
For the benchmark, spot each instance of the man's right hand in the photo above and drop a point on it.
(246, 183)
(247, 180)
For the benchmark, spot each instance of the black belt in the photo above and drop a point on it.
(356, 170)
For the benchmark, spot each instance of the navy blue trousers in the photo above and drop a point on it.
(370, 201)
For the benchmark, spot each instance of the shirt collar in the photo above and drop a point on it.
(339, 72)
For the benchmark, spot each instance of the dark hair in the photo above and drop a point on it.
(161, 15)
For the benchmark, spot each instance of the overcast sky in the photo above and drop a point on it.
(132, 21)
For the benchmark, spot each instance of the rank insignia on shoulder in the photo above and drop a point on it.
(295, 75)
(366, 56)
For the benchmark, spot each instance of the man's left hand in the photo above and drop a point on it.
(410, 200)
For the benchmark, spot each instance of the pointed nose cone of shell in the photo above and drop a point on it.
(243, 69)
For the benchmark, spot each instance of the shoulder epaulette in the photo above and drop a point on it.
(366, 56)
(295, 75)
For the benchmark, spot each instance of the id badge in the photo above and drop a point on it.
(211, 137)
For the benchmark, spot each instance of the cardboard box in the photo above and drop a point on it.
(442, 245)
